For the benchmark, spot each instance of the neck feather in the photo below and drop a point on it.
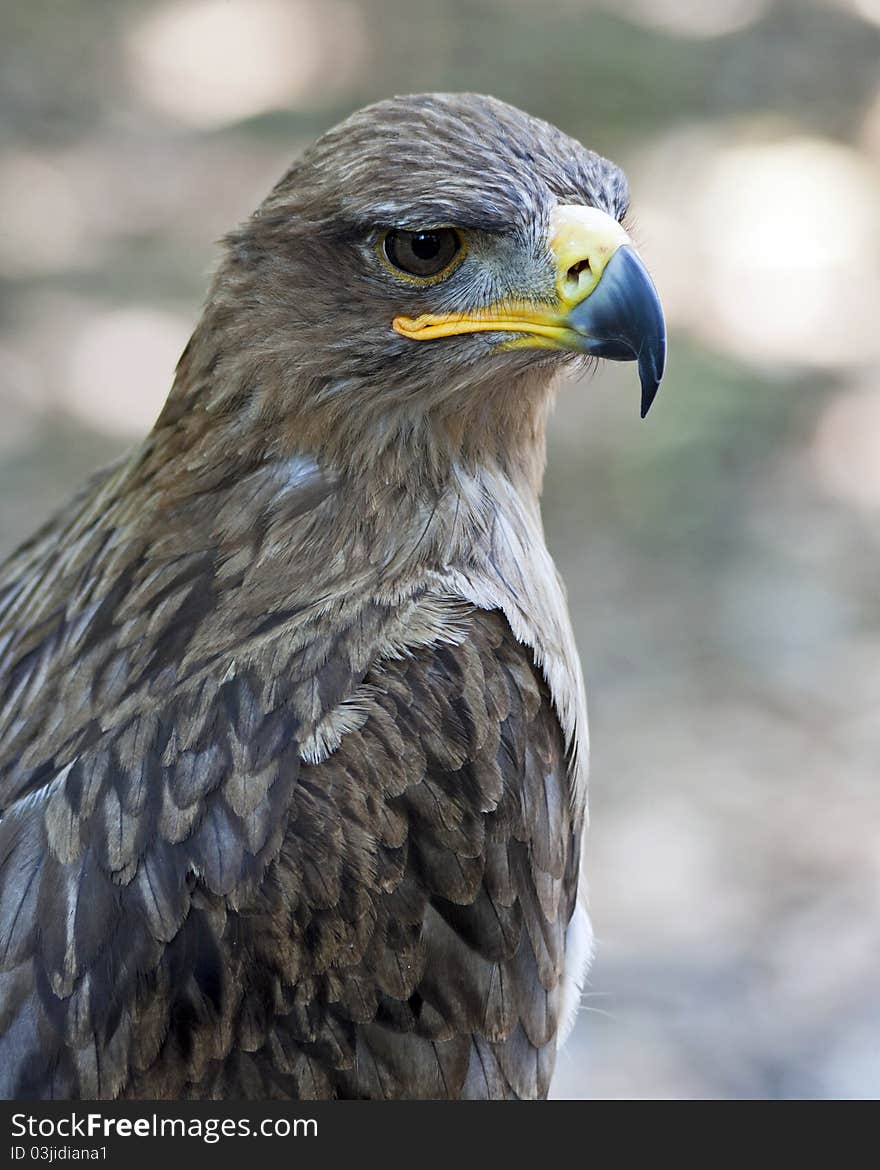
(233, 408)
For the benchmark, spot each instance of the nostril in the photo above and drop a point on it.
(576, 269)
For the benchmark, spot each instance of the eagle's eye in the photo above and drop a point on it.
(424, 254)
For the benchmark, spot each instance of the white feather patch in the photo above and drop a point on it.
(578, 956)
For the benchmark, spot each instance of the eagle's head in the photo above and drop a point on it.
(433, 257)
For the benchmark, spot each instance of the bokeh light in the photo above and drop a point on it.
(120, 368)
(695, 18)
(43, 227)
(769, 249)
(209, 62)
(790, 231)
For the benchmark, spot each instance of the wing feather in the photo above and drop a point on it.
(312, 869)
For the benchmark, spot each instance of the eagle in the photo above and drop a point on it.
(292, 722)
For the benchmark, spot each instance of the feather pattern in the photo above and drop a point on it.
(210, 896)
(292, 727)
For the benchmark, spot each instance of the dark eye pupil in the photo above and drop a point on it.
(425, 253)
(426, 245)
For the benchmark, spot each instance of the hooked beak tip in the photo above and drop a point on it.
(650, 375)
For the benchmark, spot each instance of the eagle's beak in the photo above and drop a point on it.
(613, 306)
(606, 305)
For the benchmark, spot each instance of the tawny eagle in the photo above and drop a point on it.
(292, 726)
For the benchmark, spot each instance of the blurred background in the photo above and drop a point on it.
(722, 558)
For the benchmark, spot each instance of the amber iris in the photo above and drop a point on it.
(423, 253)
